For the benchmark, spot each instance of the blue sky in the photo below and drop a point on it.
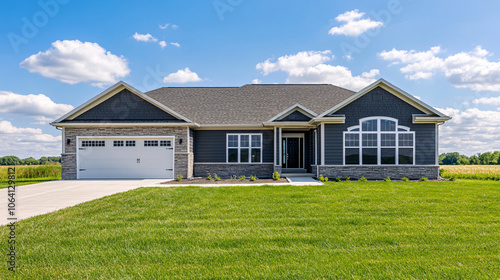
(57, 54)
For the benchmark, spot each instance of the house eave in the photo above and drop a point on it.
(338, 120)
(422, 119)
(289, 124)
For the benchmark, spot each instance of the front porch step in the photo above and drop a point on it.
(290, 175)
(294, 170)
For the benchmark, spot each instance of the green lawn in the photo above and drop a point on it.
(354, 230)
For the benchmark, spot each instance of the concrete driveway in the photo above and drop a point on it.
(42, 198)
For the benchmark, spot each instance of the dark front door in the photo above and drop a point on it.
(292, 153)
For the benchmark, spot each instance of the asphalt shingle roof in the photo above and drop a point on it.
(247, 105)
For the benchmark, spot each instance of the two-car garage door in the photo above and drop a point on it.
(125, 157)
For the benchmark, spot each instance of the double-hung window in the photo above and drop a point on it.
(379, 141)
(244, 148)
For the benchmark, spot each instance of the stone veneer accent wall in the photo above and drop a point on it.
(380, 172)
(225, 170)
(183, 157)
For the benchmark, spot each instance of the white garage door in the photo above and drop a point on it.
(125, 158)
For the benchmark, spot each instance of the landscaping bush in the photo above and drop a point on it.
(387, 179)
(322, 178)
(338, 179)
(362, 179)
(404, 179)
(276, 176)
(253, 178)
(216, 178)
(423, 179)
(179, 178)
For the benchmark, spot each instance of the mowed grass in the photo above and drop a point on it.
(348, 230)
(475, 172)
(31, 174)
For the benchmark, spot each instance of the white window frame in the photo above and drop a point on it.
(250, 148)
(406, 130)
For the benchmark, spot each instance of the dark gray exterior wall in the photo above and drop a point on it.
(210, 145)
(296, 116)
(379, 102)
(125, 106)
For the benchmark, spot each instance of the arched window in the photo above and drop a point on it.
(379, 141)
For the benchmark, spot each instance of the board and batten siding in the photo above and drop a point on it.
(210, 145)
(381, 103)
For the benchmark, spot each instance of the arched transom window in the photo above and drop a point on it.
(379, 141)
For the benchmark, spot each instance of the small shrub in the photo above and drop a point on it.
(453, 178)
(387, 179)
(209, 177)
(347, 179)
(362, 179)
(253, 178)
(441, 172)
(179, 178)
(216, 178)
(276, 176)
(338, 179)
(234, 177)
(423, 179)
(404, 179)
(322, 178)
(242, 177)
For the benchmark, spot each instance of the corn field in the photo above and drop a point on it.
(477, 172)
(52, 171)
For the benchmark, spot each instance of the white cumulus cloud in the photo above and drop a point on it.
(39, 107)
(175, 44)
(308, 67)
(256, 81)
(487, 101)
(182, 76)
(25, 141)
(144, 37)
(470, 70)
(353, 25)
(72, 62)
(470, 131)
(162, 44)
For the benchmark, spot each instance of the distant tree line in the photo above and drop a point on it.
(13, 160)
(488, 158)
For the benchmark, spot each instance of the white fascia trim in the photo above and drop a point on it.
(111, 89)
(290, 110)
(289, 124)
(123, 124)
(340, 120)
(374, 85)
(429, 119)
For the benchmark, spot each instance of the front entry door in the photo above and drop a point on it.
(292, 153)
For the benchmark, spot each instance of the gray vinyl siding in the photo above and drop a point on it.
(296, 116)
(379, 102)
(125, 106)
(210, 145)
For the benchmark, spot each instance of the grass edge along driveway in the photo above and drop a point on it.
(352, 230)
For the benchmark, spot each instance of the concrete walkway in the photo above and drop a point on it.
(42, 198)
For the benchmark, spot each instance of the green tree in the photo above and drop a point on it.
(10, 160)
(30, 161)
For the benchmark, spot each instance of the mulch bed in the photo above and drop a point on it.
(204, 181)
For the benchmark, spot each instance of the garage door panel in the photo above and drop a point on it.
(138, 161)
